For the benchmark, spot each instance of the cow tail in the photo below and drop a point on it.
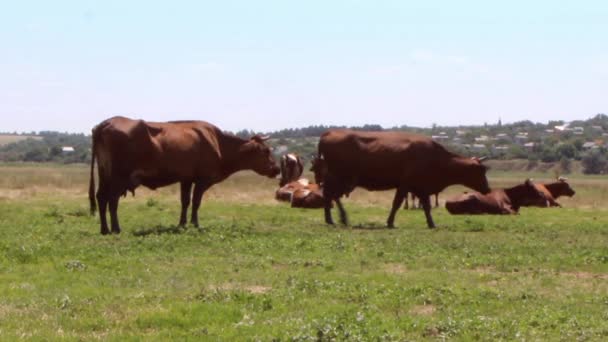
(92, 200)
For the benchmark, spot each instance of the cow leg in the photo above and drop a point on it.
(327, 207)
(399, 196)
(343, 217)
(437, 200)
(406, 204)
(114, 213)
(197, 196)
(102, 201)
(425, 200)
(185, 191)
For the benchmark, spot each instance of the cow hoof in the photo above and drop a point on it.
(105, 232)
(116, 231)
(390, 226)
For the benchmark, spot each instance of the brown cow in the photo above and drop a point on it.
(388, 160)
(310, 198)
(291, 168)
(154, 154)
(498, 201)
(551, 191)
(285, 192)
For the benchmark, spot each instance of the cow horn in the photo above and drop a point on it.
(260, 138)
(482, 158)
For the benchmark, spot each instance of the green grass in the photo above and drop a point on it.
(265, 271)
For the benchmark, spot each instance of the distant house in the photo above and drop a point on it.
(590, 145)
(482, 138)
(500, 148)
(503, 137)
(521, 138)
(441, 136)
(578, 130)
(597, 128)
(67, 149)
(478, 147)
(529, 145)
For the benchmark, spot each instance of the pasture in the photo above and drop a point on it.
(259, 270)
(6, 139)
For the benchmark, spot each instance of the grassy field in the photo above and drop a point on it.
(259, 270)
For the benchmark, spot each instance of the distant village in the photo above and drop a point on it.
(555, 141)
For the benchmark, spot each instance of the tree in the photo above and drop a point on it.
(566, 151)
(565, 165)
(594, 163)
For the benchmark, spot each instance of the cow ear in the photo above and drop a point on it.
(529, 182)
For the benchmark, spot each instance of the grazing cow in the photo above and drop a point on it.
(154, 154)
(392, 160)
(291, 168)
(498, 201)
(551, 191)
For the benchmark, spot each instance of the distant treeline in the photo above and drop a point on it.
(583, 140)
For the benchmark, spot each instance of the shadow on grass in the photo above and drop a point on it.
(159, 230)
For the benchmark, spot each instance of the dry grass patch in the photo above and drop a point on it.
(423, 310)
(395, 268)
(253, 289)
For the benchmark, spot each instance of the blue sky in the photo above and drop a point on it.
(265, 65)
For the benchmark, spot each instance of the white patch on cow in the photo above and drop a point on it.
(304, 181)
(305, 192)
(292, 157)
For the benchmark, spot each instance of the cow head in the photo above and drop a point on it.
(564, 188)
(476, 175)
(319, 168)
(291, 168)
(257, 156)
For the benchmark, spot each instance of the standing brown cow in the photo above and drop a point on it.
(393, 160)
(498, 201)
(551, 191)
(155, 154)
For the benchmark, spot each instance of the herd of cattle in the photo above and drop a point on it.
(197, 154)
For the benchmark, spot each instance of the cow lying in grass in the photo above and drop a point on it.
(302, 193)
(498, 201)
(551, 191)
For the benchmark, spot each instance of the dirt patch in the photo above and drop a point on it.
(423, 310)
(585, 275)
(395, 268)
(255, 289)
(484, 270)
